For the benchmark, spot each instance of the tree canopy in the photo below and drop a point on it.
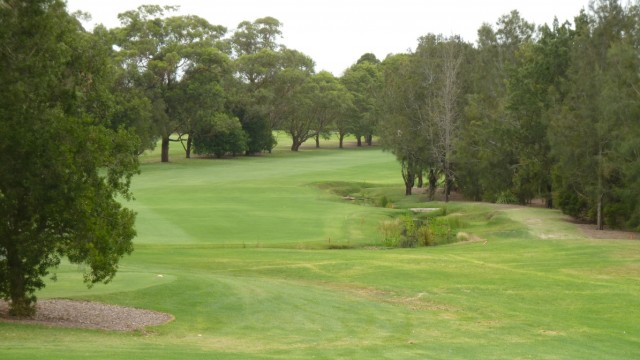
(62, 166)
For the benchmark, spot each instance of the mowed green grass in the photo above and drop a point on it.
(242, 247)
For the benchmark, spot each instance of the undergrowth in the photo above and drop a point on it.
(404, 228)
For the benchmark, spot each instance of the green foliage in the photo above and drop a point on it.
(391, 231)
(174, 61)
(420, 103)
(506, 197)
(292, 107)
(600, 98)
(362, 81)
(384, 201)
(400, 95)
(408, 231)
(221, 135)
(332, 104)
(62, 165)
(442, 232)
(256, 63)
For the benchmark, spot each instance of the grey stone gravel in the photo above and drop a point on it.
(88, 315)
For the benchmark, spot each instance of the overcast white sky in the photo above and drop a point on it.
(335, 33)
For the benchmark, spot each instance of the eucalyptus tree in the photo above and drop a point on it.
(256, 54)
(362, 80)
(439, 65)
(403, 114)
(292, 108)
(200, 94)
(332, 105)
(61, 165)
(156, 50)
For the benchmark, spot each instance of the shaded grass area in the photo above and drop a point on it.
(242, 249)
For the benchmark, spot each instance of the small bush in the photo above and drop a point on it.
(506, 197)
(384, 201)
(408, 231)
(391, 231)
(425, 236)
(441, 231)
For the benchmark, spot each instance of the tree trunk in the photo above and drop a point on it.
(295, 144)
(317, 140)
(408, 188)
(420, 180)
(165, 149)
(599, 211)
(433, 183)
(409, 177)
(189, 143)
(600, 189)
(21, 304)
(369, 139)
(341, 137)
(359, 138)
(446, 187)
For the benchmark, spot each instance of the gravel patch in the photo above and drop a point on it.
(88, 315)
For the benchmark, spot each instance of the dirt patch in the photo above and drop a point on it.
(590, 231)
(88, 315)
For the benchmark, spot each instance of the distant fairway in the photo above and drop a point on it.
(258, 201)
(242, 247)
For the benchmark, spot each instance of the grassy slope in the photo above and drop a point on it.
(535, 289)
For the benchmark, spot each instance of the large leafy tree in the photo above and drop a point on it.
(156, 51)
(257, 55)
(292, 106)
(363, 81)
(200, 94)
(420, 104)
(403, 112)
(332, 105)
(218, 135)
(61, 167)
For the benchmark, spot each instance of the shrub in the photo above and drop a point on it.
(220, 135)
(425, 236)
(441, 231)
(391, 231)
(407, 231)
(506, 197)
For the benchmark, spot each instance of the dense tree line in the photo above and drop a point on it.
(526, 112)
(550, 112)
